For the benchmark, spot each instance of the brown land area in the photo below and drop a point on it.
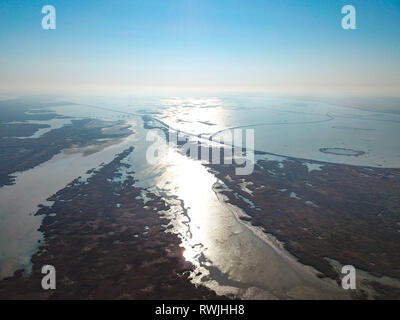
(346, 213)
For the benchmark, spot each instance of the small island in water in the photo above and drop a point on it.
(342, 151)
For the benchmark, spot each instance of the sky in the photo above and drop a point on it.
(285, 46)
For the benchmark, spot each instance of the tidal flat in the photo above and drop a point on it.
(106, 243)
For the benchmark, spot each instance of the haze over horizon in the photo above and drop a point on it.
(186, 45)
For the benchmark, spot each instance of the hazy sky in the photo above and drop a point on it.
(253, 45)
